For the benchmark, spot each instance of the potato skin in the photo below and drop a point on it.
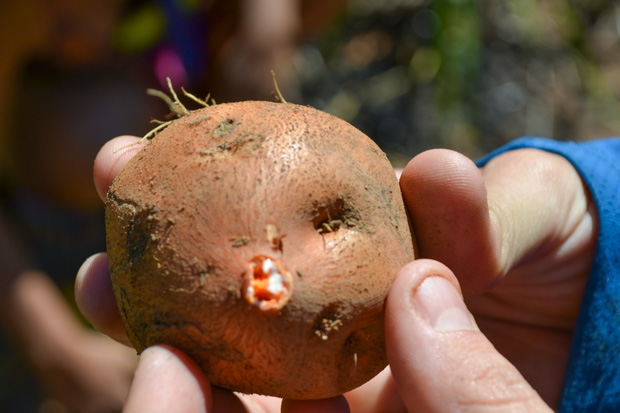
(231, 182)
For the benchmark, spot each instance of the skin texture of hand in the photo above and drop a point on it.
(518, 235)
(523, 231)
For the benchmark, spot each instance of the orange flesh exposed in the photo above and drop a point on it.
(268, 283)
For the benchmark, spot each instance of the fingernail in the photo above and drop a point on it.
(439, 303)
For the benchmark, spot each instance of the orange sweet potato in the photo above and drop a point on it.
(262, 239)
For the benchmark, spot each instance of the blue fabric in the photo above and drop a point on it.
(592, 381)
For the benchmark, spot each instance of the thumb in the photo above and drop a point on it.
(111, 158)
(439, 359)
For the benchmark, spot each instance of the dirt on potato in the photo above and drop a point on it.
(261, 239)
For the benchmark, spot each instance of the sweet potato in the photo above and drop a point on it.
(261, 238)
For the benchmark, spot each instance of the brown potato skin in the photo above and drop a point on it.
(190, 210)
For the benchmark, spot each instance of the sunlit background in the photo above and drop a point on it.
(413, 75)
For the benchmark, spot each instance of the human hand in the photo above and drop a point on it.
(88, 373)
(520, 236)
(445, 189)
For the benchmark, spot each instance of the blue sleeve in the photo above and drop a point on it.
(592, 381)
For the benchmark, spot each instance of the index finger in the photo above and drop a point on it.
(111, 158)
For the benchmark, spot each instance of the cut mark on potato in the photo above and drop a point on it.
(268, 284)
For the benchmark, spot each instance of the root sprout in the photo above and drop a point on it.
(278, 94)
(177, 108)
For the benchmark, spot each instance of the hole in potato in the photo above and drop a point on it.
(334, 215)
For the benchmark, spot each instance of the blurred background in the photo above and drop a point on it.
(412, 74)
(468, 75)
